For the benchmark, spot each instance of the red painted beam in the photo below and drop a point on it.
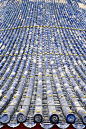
(21, 126)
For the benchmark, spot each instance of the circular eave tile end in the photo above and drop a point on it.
(54, 119)
(38, 118)
(84, 119)
(21, 117)
(5, 118)
(70, 118)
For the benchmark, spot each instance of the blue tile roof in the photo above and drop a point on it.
(42, 63)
